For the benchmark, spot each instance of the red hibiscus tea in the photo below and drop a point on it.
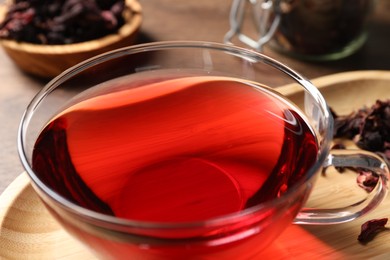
(175, 149)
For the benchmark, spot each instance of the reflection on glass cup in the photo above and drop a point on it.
(175, 150)
(306, 29)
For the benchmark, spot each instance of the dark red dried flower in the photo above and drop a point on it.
(368, 127)
(370, 228)
(61, 21)
(367, 180)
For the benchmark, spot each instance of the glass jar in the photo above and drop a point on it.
(306, 29)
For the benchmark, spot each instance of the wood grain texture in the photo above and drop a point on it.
(27, 231)
(48, 61)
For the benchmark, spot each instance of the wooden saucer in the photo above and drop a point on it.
(27, 230)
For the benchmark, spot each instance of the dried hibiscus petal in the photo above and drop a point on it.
(368, 127)
(370, 228)
(61, 21)
(367, 180)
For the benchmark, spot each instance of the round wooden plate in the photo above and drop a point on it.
(27, 231)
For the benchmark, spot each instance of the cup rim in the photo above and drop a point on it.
(161, 45)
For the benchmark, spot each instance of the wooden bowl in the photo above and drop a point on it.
(48, 61)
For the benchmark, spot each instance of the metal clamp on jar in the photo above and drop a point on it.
(306, 29)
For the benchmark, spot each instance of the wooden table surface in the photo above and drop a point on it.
(178, 20)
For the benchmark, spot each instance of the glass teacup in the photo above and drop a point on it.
(175, 150)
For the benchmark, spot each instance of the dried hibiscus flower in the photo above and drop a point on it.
(367, 180)
(368, 127)
(370, 228)
(61, 21)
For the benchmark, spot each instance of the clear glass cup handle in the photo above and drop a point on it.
(350, 158)
(262, 10)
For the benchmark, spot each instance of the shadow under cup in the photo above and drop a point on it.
(207, 81)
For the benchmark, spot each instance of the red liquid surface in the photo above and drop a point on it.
(174, 150)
